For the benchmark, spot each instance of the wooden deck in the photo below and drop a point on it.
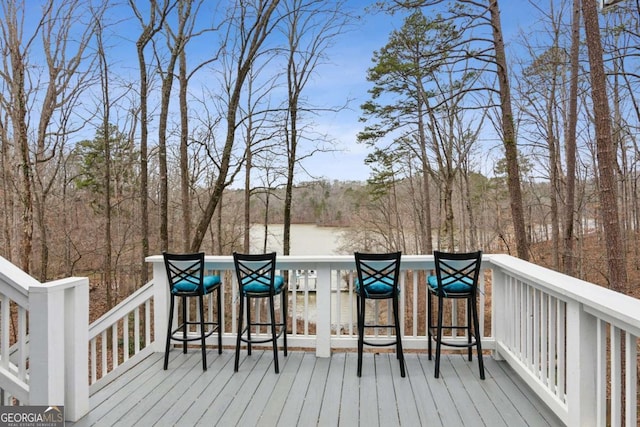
(316, 391)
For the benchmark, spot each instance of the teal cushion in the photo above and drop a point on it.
(373, 286)
(258, 285)
(211, 281)
(192, 285)
(450, 284)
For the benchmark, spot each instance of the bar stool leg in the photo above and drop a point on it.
(166, 350)
(240, 326)
(202, 334)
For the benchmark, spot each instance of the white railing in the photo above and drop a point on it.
(121, 337)
(573, 342)
(43, 352)
(14, 306)
(322, 302)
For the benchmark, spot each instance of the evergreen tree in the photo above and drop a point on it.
(91, 163)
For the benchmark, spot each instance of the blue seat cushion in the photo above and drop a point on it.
(256, 285)
(378, 287)
(451, 284)
(209, 282)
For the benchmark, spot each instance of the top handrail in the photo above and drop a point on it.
(615, 307)
(125, 306)
(17, 282)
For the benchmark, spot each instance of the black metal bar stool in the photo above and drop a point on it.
(378, 276)
(185, 273)
(257, 279)
(456, 277)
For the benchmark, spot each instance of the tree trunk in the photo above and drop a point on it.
(247, 199)
(425, 220)
(185, 188)
(148, 30)
(8, 199)
(257, 34)
(19, 115)
(606, 151)
(570, 143)
(104, 79)
(292, 136)
(509, 136)
(473, 227)
(167, 83)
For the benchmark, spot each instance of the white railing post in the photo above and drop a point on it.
(58, 355)
(46, 345)
(160, 306)
(499, 313)
(76, 350)
(323, 305)
(581, 366)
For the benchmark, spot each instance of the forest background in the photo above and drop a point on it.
(101, 168)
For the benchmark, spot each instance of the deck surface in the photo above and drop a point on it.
(313, 391)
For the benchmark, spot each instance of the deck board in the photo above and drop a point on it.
(463, 402)
(315, 391)
(368, 405)
(330, 408)
(281, 391)
(349, 390)
(446, 410)
(387, 402)
(291, 411)
(313, 400)
(477, 393)
(526, 403)
(420, 391)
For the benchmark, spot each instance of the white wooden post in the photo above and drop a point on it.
(160, 305)
(46, 342)
(581, 366)
(59, 331)
(76, 343)
(499, 312)
(323, 317)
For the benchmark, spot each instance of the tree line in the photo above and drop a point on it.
(104, 162)
(564, 104)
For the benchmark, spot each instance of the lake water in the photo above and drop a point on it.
(306, 239)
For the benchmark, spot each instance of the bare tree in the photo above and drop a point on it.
(621, 39)
(187, 11)
(261, 134)
(311, 26)
(509, 133)
(106, 110)
(185, 188)
(606, 150)
(157, 14)
(53, 94)
(14, 73)
(453, 137)
(570, 143)
(541, 86)
(69, 73)
(8, 199)
(254, 21)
